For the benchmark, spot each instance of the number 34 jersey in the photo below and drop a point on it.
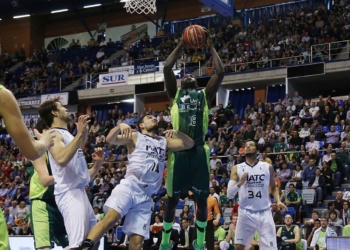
(146, 163)
(254, 193)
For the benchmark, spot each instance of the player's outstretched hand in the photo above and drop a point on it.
(170, 133)
(242, 180)
(98, 155)
(207, 35)
(82, 124)
(126, 131)
(281, 205)
(47, 138)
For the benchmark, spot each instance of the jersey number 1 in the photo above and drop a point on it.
(155, 168)
(251, 194)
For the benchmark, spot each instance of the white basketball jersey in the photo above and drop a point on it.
(75, 174)
(146, 163)
(254, 193)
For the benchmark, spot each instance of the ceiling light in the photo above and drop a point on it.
(128, 100)
(92, 5)
(58, 11)
(21, 16)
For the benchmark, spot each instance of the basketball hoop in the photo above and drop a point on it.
(140, 6)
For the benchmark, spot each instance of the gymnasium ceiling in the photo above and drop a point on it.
(43, 8)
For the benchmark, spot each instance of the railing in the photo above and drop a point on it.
(330, 51)
(260, 65)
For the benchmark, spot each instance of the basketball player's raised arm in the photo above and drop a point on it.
(15, 126)
(183, 143)
(216, 80)
(235, 183)
(97, 157)
(169, 76)
(125, 138)
(62, 153)
(41, 168)
(274, 189)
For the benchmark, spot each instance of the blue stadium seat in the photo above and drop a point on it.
(325, 129)
(119, 232)
(213, 151)
(290, 211)
(180, 205)
(338, 128)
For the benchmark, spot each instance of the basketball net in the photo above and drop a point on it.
(140, 6)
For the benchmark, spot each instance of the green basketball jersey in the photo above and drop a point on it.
(37, 189)
(190, 114)
(290, 235)
(1, 86)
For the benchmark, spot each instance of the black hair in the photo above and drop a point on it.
(141, 120)
(41, 125)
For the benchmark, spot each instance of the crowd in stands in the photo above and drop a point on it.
(306, 141)
(277, 42)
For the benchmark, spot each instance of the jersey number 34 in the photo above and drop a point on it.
(251, 194)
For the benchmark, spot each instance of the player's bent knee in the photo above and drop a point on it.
(111, 217)
(239, 247)
(135, 241)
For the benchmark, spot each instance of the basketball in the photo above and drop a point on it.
(194, 36)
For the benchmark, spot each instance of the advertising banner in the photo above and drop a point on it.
(63, 97)
(113, 79)
(29, 102)
(129, 69)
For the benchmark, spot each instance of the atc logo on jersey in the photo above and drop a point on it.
(255, 180)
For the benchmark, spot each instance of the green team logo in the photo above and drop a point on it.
(271, 244)
(144, 226)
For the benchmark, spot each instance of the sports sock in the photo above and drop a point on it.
(167, 227)
(201, 225)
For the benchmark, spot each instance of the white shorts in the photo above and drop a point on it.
(249, 222)
(77, 213)
(127, 199)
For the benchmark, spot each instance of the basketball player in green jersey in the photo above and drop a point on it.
(47, 221)
(30, 148)
(189, 170)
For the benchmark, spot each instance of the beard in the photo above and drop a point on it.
(250, 154)
(65, 118)
(153, 128)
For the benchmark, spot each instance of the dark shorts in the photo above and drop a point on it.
(189, 170)
(47, 225)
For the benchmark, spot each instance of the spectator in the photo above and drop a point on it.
(293, 199)
(10, 229)
(186, 214)
(8, 217)
(25, 230)
(290, 234)
(22, 211)
(276, 213)
(344, 213)
(320, 239)
(318, 183)
(337, 169)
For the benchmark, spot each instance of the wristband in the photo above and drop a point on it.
(232, 189)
